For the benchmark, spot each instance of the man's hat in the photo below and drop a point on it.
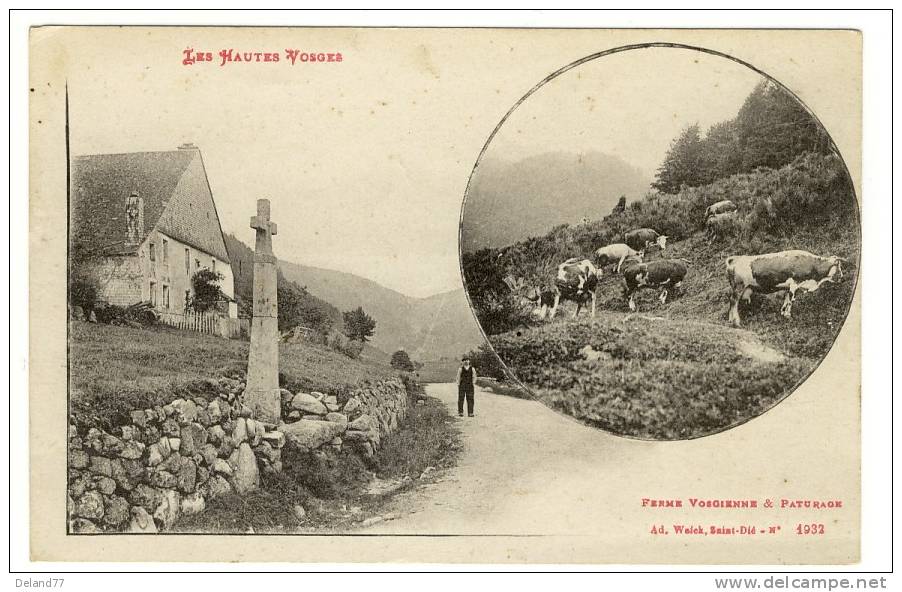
(465, 359)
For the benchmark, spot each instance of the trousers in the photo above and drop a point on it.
(461, 395)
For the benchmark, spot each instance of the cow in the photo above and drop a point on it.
(615, 255)
(576, 280)
(774, 272)
(642, 238)
(666, 274)
(719, 225)
(722, 207)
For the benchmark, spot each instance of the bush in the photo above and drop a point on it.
(83, 292)
(349, 347)
(401, 361)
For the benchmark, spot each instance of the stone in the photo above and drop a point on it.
(308, 435)
(307, 404)
(225, 447)
(213, 411)
(141, 521)
(121, 475)
(330, 400)
(187, 476)
(247, 475)
(262, 392)
(363, 423)
(154, 456)
(336, 441)
(150, 435)
(317, 395)
(275, 438)
(110, 445)
(339, 418)
(203, 473)
(104, 485)
(168, 511)
(171, 428)
(192, 504)
(184, 411)
(194, 436)
(294, 415)
(132, 450)
(89, 505)
(204, 419)
(129, 432)
(352, 406)
(285, 396)
(82, 526)
(175, 444)
(350, 436)
(314, 417)
(222, 467)
(252, 436)
(115, 511)
(78, 459)
(266, 452)
(100, 465)
(208, 452)
(239, 433)
(218, 486)
(139, 418)
(163, 479)
(215, 434)
(299, 512)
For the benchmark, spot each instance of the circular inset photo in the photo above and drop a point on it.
(660, 241)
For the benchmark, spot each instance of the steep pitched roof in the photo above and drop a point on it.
(101, 184)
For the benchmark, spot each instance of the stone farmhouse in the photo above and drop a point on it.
(143, 224)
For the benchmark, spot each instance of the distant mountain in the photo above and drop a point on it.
(510, 201)
(427, 328)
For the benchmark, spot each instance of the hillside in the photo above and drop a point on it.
(428, 328)
(678, 370)
(510, 201)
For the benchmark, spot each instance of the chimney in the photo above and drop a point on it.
(134, 218)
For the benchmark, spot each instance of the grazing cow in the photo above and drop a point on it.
(722, 207)
(642, 238)
(576, 280)
(615, 255)
(719, 225)
(787, 270)
(666, 274)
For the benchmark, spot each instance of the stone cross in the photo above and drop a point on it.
(262, 391)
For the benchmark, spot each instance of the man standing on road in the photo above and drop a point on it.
(466, 386)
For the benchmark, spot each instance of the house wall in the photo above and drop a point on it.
(119, 279)
(168, 270)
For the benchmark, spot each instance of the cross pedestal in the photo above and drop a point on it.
(262, 391)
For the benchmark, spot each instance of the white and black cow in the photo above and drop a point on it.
(722, 207)
(667, 274)
(642, 238)
(615, 255)
(576, 280)
(774, 272)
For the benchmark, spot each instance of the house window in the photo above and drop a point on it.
(197, 264)
(187, 261)
(165, 251)
(214, 265)
(153, 293)
(165, 296)
(187, 299)
(152, 251)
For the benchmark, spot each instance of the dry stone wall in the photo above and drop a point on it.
(170, 460)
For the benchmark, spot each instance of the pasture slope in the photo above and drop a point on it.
(676, 370)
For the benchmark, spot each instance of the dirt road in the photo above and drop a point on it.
(524, 470)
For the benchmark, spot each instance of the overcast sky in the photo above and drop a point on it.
(366, 161)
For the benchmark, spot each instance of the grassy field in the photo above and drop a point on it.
(678, 370)
(114, 369)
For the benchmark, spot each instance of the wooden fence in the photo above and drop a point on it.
(210, 323)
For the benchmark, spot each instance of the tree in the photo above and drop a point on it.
(487, 363)
(401, 361)
(359, 326)
(298, 308)
(207, 292)
(681, 166)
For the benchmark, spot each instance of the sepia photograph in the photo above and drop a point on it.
(660, 241)
(467, 296)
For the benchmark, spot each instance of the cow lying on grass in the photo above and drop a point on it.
(666, 274)
(773, 272)
(724, 206)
